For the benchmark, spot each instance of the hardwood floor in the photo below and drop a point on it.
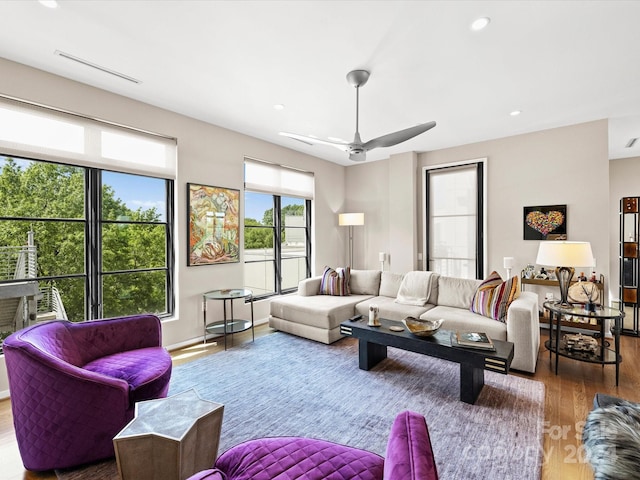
(569, 397)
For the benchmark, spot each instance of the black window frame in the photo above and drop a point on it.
(479, 247)
(277, 230)
(93, 222)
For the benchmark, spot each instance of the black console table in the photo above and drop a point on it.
(602, 354)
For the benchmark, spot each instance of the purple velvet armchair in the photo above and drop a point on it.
(73, 386)
(409, 457)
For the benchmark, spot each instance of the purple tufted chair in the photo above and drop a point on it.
(73, 386)
(409, 457)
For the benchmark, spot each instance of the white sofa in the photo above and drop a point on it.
(317, 317)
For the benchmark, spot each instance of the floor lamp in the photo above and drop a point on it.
(350, 220)
(564, 256)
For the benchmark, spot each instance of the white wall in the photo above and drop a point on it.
(567, 165)
(385, 191)
(206, 154)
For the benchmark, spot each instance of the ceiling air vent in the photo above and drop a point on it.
(631, 142)
(87, 63)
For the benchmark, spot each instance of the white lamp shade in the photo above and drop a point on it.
(565, 254)
(346, 219)
(507, 262)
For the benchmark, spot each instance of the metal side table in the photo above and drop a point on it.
(228, 325)
(602, 354)
(169, 438)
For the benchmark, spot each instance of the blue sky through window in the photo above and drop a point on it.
(137, 191)
(257, 203)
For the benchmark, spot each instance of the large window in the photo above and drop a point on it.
(455, 220)
(86, 218)
(96, 243)
(277, 228)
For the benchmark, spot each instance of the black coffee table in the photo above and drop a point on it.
(373, 343)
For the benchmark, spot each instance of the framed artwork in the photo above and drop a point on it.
(545, 223)
(213, 228)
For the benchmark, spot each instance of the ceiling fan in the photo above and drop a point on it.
(357, 149)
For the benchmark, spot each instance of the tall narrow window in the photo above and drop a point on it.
(277, 226)
(454, 220)
(135, 241)
(259, 254)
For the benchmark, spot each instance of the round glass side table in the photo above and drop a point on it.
(228, 325)
(601, 354)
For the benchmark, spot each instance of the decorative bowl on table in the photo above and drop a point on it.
(422, 328)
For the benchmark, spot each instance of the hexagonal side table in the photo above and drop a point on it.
(169, 438)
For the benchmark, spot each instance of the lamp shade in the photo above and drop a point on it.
(565, 254)
(507, 262)
(347, 219)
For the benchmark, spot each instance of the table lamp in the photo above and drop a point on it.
(350, 219)
(507, 263)
(564, 256)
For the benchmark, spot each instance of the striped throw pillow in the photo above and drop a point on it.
(335, 282)
(493, 296)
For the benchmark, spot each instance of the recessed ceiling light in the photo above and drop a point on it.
(515, 113)
(49, 3)
(278, 106)
(480, 23)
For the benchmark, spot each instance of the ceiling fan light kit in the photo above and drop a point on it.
(358, 149)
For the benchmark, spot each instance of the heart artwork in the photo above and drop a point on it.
(545, 223)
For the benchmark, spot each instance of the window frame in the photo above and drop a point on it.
(93, 222)
(277, 230)
(481, 211)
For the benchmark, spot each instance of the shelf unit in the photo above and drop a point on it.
(545, 321)
(629, 274)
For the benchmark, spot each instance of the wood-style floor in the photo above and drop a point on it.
(569, 397)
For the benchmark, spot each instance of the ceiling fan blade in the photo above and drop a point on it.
(316, 141)
(398, 137)
(358, 157)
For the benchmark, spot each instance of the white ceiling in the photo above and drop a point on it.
(229, 62)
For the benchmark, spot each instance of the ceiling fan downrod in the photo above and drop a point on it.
(357, 78)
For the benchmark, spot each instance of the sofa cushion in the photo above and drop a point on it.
(409, 453)
(335, 282)
(456, 292)
(211, 474)
(493, 296)
(298, 458)
(389, 309)
(322, 311)
(415, 288)
(364, 282)
(146, 370)
(390, 284)
(458, 319)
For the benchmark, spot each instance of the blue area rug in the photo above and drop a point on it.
(285, 385)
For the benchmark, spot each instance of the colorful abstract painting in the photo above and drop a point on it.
(545, 223)
(214, 229)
